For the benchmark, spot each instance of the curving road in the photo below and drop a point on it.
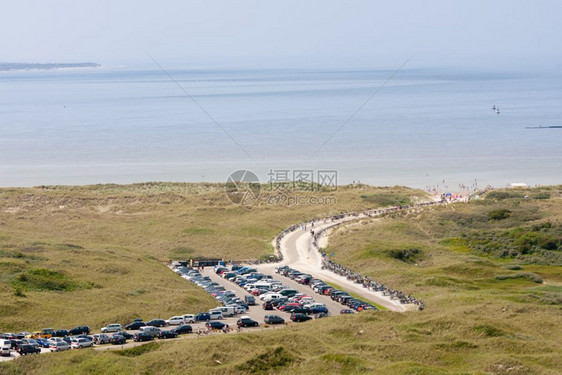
(299, 252)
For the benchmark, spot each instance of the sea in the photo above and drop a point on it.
(423, 128)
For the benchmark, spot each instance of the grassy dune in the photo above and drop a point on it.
(95, 254)
(487, 311)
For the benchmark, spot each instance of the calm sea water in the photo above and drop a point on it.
(425, 127)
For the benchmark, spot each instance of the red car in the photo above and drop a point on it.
(284, 307)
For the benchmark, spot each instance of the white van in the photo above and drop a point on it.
(226, 310)
(5, 346)
(150, 330)
(270, 296)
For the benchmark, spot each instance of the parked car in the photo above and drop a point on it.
(215, 315)
(79, 330)
(142, 336)
(125, 334)
(273, 319)
(80, 343)
(61, 333)
(189, 318)
(157, 323)
(101, 339)
(202, 317)
(185, 328)
(45, 333)
(347, 311)
(15, 343)
(24, 349)
(171, 334)
(5, 347)
(213, 324)
(250, 300)
(175, 321)
(298, 317)
(30, 342)
(113, 327)
(118, 339)
(135, 325)
(150, 330)
(58, 346)
(245, 321)
(44, 343)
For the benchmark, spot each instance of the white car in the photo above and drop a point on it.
(114, 327)
(189, 318)
(176, 321)
(5, 348)
(215, 315)
(81, 343)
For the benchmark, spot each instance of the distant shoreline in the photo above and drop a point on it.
(10, 67)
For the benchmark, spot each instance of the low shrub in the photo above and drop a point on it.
(499, 214)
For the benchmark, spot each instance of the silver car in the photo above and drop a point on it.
(81, 343)
(114, 327)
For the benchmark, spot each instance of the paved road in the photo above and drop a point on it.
(299, 253)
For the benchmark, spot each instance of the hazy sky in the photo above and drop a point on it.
(498, 34)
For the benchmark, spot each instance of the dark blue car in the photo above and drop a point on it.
(318, 310)
(44, 343)
(202, 317)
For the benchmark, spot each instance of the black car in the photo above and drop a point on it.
(126, 335)
(319, 310)
(135, 325)
(273, 319)
(185, 328)
(347, 311)
(79, 330)
(214, 324)
(268, 305)
(118, 340)
(171, 334)
(142, 336)
(250, 300)
(24, 349)
(157, 323)
(61, 333)
(14, 343)
(247, 322)
(298, 317)
(302, 310)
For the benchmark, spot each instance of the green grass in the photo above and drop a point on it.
(482, 315)
(101, 249)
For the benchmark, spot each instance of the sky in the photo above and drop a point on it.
(503, 34)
